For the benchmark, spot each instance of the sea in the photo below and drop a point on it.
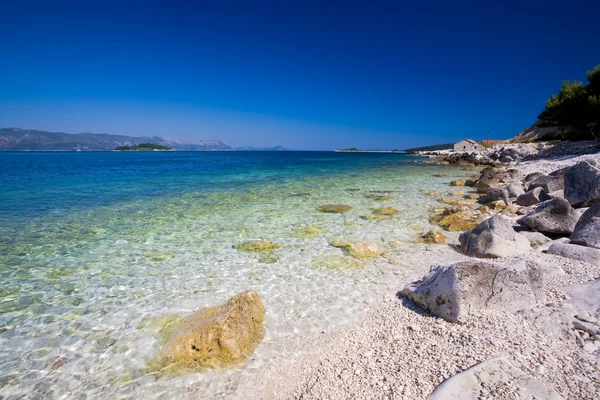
(95, 244)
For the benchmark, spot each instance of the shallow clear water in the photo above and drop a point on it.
(91, 244)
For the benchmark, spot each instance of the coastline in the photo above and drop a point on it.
(399, 351)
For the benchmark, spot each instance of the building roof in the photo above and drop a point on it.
(469, 140)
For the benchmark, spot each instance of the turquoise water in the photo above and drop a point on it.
(92, 244)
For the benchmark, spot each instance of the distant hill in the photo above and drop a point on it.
(536, 133)
(16, 139)
(249, 148)
(435, 147)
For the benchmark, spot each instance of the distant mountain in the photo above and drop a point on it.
(249, 148)
(16, 139)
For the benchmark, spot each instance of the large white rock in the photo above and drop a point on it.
(587, 230)
(514, 189)
(582, 184)
(493, 238)
(469, 384)
(454, 291)
(552, 216)
(575, 252)
(548, 183)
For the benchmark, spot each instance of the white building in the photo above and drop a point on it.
(467, 145)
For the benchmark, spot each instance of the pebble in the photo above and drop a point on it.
(540, 369)
(589, 347)
(414, 328)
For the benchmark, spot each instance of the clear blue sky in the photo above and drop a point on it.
(303, 74)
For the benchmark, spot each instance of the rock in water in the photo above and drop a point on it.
(575, 252)
(532, 197)
(214, 337)
(385, 211)
(587, 230)
(361, 251)
(334, 208)
(493, 238)
(492, 373)
(454, 291)
(552, 216)
(258, 246)
(582, 184)
(457, 182)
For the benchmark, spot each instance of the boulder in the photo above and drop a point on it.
(514, 189)
(359, 250)
(532, 197)
(495, 194)
(552, 216)
(536, 239)
(455, 291)
(334, 208)
(493, 238)
(530, 178)
(258, 246)
(470, 182)
(548, 183)
(559, 194)
(433, 237)
(491, 178)
(575, 252)
(493, 373)
(587, 230)
(214, 337)
(582, 184)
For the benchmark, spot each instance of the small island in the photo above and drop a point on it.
(144, 147)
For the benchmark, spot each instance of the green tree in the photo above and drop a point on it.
(575, 108)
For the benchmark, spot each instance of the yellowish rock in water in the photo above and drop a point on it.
(415, 227)
(457, 182)
(461, 226)
(440, 175)
(359, 250)
(336, 262)
(458, 193)
(379, 197)
(385, 211)
(433, 237)
(456, 202)
(430, 193)
(334, 208)
(161, 327)
(258, 246)
(376, 217)
(214, 337)
(473, 196)
(310, 231)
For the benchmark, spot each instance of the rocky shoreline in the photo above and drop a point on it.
(523, 325)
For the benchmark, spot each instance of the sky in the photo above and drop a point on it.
(302, 74)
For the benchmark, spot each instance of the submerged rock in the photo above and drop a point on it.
(379, 197)
(376, 217)
(457, 182)
(587, 229)
(334, 208)
(310, 231)
(385, 211)
(455, 291)
(552, 216)
(258, 246)
(359, 250)
(214, 337)
(493, 238)
(582, 184)
(337, 262)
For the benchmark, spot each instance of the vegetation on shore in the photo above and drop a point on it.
(144, 147)
(575, 109)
